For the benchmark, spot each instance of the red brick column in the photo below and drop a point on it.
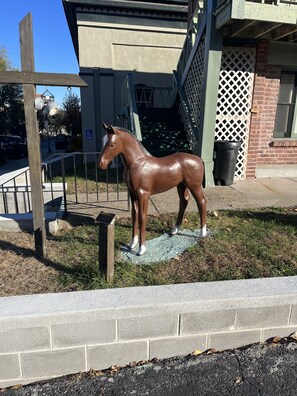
(263, 148)
(266, 87)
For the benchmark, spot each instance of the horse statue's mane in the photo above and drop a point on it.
(135, 138)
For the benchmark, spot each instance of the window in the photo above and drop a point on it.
(286, 113)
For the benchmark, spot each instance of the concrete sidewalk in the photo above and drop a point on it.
(243, 194)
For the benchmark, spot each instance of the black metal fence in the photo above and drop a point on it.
(69, 178)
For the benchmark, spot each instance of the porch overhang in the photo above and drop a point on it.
(265, 20)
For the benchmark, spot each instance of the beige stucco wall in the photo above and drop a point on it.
(144, 50)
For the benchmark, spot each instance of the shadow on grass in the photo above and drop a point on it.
(4, 245)
(289, 218)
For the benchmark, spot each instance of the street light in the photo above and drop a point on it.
(46, 104)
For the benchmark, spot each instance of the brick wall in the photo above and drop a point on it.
(43, 336)
(263, 149)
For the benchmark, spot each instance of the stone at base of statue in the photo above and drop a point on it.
(163, 248)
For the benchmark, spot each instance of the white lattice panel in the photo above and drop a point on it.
(234, 100)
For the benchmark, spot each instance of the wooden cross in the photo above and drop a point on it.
(29, 79)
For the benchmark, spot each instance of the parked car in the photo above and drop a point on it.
(3, 154)
(62, 142)
(14, 145)
(4, 143)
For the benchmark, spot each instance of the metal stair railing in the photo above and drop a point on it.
(86, 183)
(129, 107)
(79, 173)
(11, 191)
(187, 116)
(180, 78)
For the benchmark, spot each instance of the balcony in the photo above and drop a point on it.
(258, 19)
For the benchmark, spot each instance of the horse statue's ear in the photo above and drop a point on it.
(109, 128)
(112, 129)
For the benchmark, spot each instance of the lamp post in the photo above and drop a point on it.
(46, 103)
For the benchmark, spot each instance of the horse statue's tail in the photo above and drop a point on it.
(203, 181)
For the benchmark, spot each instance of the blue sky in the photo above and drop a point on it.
(53, 47)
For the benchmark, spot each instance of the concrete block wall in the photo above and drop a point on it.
(48, 335)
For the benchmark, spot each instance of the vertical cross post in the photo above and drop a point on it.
(29, 91)
(106, 223)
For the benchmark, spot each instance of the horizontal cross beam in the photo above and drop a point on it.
(37, 78)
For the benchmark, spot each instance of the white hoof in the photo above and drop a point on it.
(141, 250)
(203, 232)
(133, 242)
(175, 230)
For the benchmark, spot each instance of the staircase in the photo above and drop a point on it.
(162, 131)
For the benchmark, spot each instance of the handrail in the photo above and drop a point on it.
(222, 3)
(190, 45)
(275, 2)
(16, 198)
(14, 177)
(129, 106)
(194, 131)
(200, 33)
(11, 184)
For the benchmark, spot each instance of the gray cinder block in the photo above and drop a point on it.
(278, 332)
(148, 327)
(176, 346)
(24, 339)
(202, 322)
(263, 317)
(9, 367)
(233, 339)
(83, 333)
(103, 356)
(293, 319)
(52, 363)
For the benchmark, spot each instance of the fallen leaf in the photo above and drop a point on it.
(196, 352)
(114, 369)
(238, 380)
(210, 351)
(276, 339)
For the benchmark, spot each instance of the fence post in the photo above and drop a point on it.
(106, 223)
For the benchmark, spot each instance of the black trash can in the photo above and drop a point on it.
(225, 158)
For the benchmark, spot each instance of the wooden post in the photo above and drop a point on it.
(106, 223)
(29, 79)
(29, 93)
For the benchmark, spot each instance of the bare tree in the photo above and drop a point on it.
(12, 117)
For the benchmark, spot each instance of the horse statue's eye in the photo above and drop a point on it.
(112, 145)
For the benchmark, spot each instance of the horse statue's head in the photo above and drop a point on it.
(112, 147)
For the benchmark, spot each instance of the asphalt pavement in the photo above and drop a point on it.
(259, 369)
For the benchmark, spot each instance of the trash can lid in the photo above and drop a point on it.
(227, 144)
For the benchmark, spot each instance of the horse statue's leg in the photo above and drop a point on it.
(198, 195)
(143, 199)
(183, 194)
(134, 212)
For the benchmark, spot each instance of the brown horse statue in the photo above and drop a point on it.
(146, 175)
